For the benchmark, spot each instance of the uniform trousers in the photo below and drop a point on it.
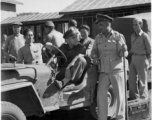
(117, 81)
(138, 66)
(76, 70)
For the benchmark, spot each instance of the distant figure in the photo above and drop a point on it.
(141, 55)
(30, 53)
(53, 36)
(86, 40)
(3, 58)
(13, 43)
(72, 24)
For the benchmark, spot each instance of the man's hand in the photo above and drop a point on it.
(88, 53)
(95, 61)
(12, 58)
(124, 48)
(49, 46)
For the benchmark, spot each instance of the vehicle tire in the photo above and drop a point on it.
(11, 112)
(112, 104)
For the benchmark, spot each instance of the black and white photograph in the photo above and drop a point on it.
(76, 60)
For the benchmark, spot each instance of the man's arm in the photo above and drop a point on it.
(94, 52)
(122, 47)
(90, 46)
(20, 57)
(147, 44)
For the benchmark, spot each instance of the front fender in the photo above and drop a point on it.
(23, 95)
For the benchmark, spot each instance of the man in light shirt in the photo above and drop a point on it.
(13, 43)
(141, 54)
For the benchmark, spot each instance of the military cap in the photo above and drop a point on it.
(72, 22)
(85, 27)
(49, 24)
(101, 17)
(70, 33)
(17, 23)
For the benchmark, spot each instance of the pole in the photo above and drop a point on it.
(125, 83)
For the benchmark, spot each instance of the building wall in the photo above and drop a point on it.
(7, 10)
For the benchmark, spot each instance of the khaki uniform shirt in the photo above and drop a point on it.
(107, 51)
(13, 44)
(30, 54)
(140, 44)
(55, 37)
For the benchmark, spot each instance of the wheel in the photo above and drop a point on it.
(11, 112)
(112, 104)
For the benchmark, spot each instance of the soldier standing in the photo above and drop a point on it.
(13, 43)
(107, 52)
(53, 36)
(141, 52)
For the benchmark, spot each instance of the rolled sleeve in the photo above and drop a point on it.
(94, 52)
(121, 43)
(147, 44)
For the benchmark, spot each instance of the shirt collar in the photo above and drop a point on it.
(139, 34)
(110, 33)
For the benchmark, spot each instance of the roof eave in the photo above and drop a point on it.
(103, 9)
(19, 3)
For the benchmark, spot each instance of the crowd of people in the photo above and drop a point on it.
(107, 52)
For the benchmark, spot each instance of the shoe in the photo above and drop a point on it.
(58, 84)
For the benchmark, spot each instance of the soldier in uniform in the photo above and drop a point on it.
(30, 53)
(108, 50)
(141, 53)
(76, 63)
(13, 43)
(53, 36)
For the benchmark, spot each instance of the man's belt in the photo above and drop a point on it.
(139, 54)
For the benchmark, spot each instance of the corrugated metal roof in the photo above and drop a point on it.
(34, 17)
(12, 2)
(88, 5)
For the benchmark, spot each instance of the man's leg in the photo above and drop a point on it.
(117, 81)
(133, 85)
(141, 66)
(102, 101)
(74, 72)
(78, 68)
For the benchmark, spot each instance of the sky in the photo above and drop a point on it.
(42, 6)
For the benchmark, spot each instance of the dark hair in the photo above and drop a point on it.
(26, 31)
(72, 22)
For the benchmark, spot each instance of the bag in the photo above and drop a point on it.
(138, 109)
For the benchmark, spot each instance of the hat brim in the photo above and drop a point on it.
(84, 28)
(97, 21)
(71, 35)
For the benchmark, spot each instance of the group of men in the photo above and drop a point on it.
(107, 51)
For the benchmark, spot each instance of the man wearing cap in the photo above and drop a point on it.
(53, 36)
(108, 50)
(72, 24)
(76, 63)
(86, 41)
(13, 43)
(141, 53)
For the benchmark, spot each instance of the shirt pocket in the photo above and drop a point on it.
(116, 63)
